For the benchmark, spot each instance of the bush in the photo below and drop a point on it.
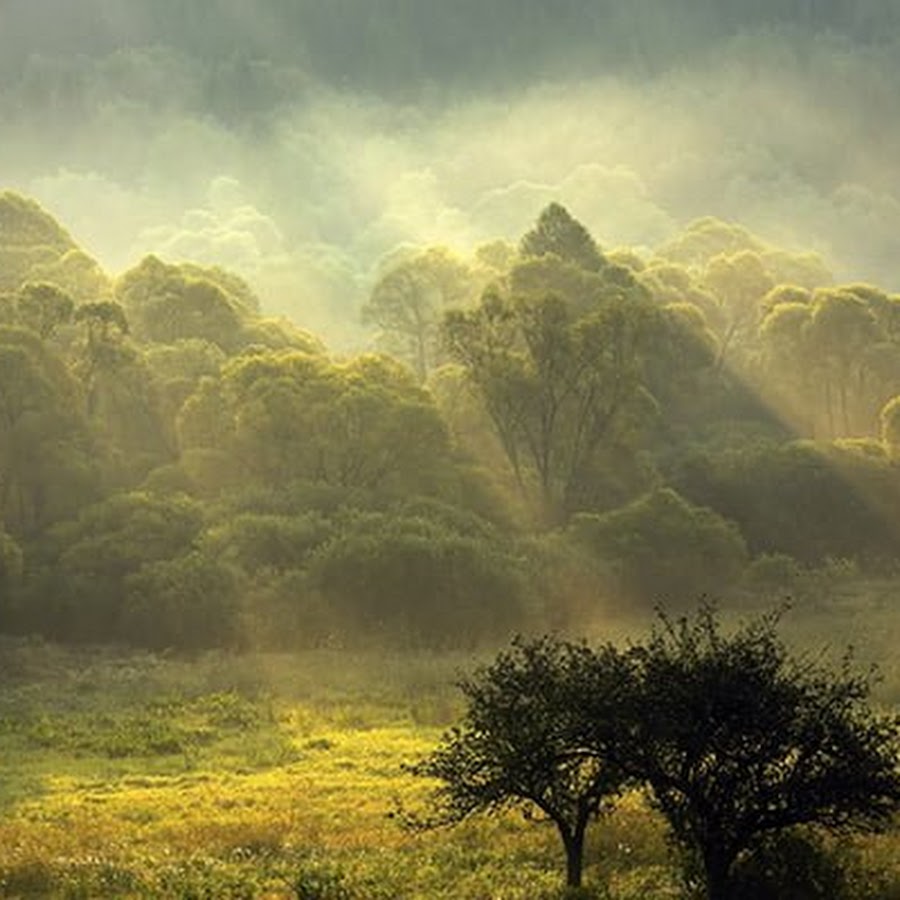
(416, 581)
(662, 547)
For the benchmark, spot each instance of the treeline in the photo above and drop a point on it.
(547, 427)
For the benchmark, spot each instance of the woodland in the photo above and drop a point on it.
(540, 434)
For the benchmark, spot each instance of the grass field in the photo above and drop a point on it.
(134, 775)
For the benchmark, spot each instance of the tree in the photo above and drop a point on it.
(288, 415)
(81, 593)
(705, 238)
(840, 329)
(557, 232)
(167, 302)
(661, 546)
(739, 739)
(740, 281)
(557, 386)
(44, 307)
(123, 400)
(46, 472)
(419, 580)
(523, 741)
(10, 574)
(409, 299)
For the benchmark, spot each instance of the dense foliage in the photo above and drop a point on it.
(546, 430)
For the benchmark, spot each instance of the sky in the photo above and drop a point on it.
(299, 142)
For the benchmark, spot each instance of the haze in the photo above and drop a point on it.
(299, 142)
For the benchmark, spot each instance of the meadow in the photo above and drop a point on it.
(127, 774)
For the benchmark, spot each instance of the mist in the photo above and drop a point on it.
(299, 143)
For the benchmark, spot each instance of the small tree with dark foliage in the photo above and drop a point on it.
(739, 739)
(523, 741)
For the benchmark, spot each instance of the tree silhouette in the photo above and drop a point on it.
(739, 739)
(523, 741)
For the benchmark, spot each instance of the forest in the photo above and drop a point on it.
(543, 433)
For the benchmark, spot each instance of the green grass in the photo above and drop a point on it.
(138, 775)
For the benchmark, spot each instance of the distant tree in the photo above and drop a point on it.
(289, 415)
(123, 398)
(29, 237)
(105, 321)
(45, 449)
(412, 579)
(80, 596)
(840, 329)
(11, 560)
(661, 547)
(44, 307)
(166, 303)
(557, 232)
(809, 500)
(740, 281)
(409, 298)
(557, 386)
(76, 273)
(739, 739)
(705, 238)
(189, 602)
(525, 741)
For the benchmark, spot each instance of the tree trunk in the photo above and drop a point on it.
(574, 843)
(717, 868)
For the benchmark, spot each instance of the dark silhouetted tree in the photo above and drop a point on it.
(739, 739)
(525, 742)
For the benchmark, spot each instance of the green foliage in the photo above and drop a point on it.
(81, 592)
(265, 542)
(320, 881)
(408, 300)
(11, 565)
(287, 416)
(809, 501)
(582, 381)
(706, 238)
(45, 465)
(31, 242)
(167, 303)
(190, 602)
(660, 547)
(414, 580)
(890, 428)
(44, 307)
(793, 864)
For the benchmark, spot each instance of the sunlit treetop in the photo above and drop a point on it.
(558, 233)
